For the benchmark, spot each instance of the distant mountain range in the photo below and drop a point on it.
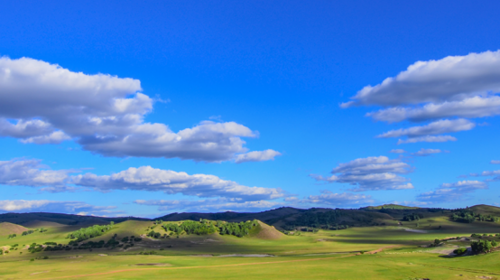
(282, 218)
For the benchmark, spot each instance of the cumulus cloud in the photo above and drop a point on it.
(452, 191)
(437, 127)
(473, 107)
(453, 87)
(450, 78)
(371, 173)
(44, 103)
(330, 199)
(209, 205)
(71, 207)
(429, 139)
(257, 156)
(397, 151)
(146, 178)
(495, 162)
(30, 172)
(426, 152)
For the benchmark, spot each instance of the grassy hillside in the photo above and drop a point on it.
(389, 252)
(9, 228)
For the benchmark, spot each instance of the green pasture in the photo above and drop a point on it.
(326, 254)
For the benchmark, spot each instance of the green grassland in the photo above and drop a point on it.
(393, 249)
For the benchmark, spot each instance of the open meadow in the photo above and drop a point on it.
(146, 249)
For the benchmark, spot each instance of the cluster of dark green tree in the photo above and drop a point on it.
(89, 232)
(237, 229)
(483, 236)
(11, 236)
(460, 251)
(204, 227)
(112, 243)
(412, 217)
(332, 219)
(57, 247)
(483, 246)
(35, 248)
(467, 216)
(27, 232)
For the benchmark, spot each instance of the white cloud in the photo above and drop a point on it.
(473, 107)
(397, 151)
(30, 172)
(372, 173)
(331, 199)
(71, 207)
(437, 127)
(495, 162)
(452, 87)
(146, 178)
(210, 205)
(450, 78)
(452, 191)
(495, 173)
(430, 139)
(44, 103)
(426, 152)
(257, 156)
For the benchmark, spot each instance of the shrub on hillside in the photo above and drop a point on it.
(482, 246)
(460, 251)
(89, 232)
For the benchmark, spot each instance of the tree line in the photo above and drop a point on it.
(89, 232)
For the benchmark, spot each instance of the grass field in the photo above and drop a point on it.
(379, 252)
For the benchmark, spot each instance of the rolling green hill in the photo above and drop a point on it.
(9, 228)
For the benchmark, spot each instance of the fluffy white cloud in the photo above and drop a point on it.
(44, 103)
(450, 78)
(72, 207)
(426, 152)
(331, 199)
(430, 139)
(473, 107)
(209, 205)
(437, 127)
(257, 156)
(30, 172)
(146, 178)
(495, 162)
(452, 191)
(371, 173)
(452, 87)
(397, 151)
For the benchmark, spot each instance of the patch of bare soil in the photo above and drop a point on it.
(247, 255)
(204, 241)
(40, 272)
(154, 264)
(203, 256)
(379, 250)
(443, 251)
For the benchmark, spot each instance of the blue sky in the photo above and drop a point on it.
(150, 107)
